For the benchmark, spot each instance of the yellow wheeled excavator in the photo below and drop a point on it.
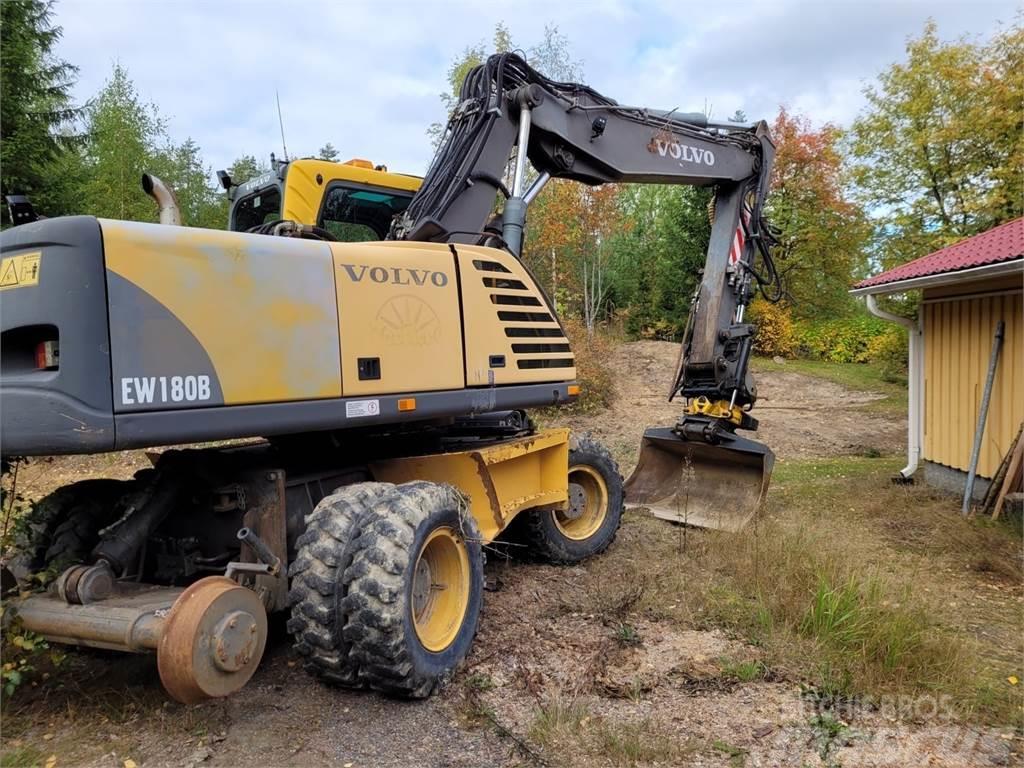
(389, 379)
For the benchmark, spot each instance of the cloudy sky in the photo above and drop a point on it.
(366, 76)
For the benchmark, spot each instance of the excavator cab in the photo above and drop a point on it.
(353, 201)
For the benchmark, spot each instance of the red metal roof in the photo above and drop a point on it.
(1002, 243)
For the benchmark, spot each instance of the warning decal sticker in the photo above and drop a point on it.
(357, 409)
(19, 271)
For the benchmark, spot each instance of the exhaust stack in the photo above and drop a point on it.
(170, 213)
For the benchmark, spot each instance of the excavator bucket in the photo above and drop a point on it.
(696, 483)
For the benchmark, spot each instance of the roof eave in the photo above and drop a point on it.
(945, 278)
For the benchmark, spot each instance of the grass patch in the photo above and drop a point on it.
(627, 635)
(737, 756)
(565, 726)
(849, 585)
(829, 733)
(121, 692)
(639, 743)
(845, 626)
(556, 718)
(794, 481)
(744, 671)
(479, 682)
(861, 377)
(22, 757)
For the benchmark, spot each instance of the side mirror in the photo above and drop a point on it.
(21, 210)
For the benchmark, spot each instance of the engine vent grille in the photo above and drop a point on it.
(562, 362)
(537, 355)
(490, 266)
(520, 349)
(522, 301)
(525, 317)
(536, 333)
(506, 283)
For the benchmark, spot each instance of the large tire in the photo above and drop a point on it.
(64, 525)
(317, 587)
(415, 589)
(596, 505)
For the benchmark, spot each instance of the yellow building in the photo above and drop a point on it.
(967, 288)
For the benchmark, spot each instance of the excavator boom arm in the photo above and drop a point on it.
(508, 110)
(698, 472)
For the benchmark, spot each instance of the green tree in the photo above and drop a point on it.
(551, 56)
(35, 109)
(126, 137)
(123, 139)
(471, 56)
(201, 203)
(823, 234)
(939, 147)
(657, 255)
(328, 152)
(568, 245)
(247, 167)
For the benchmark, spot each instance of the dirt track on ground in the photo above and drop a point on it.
(800, 416)
(551, 652)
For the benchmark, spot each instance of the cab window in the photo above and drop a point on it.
(257, 208)
(357, 214)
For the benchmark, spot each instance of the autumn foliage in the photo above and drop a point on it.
(774, 329)
(568, 245)
(823, 232)
(938, 155)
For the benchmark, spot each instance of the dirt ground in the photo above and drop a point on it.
(553, 656)
(800, 416)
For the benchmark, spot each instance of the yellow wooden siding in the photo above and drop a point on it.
(958, 342)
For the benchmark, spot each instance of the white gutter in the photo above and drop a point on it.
(946, 278)
(915, 384)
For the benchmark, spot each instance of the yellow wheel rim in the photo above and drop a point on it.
(440, 589)
(588, 504)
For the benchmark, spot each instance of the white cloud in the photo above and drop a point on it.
(366, 77)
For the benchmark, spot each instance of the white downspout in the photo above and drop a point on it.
(915, 383)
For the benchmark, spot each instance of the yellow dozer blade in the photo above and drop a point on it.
(693, 482)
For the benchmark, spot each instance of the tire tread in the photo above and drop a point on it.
(323, 551)
(375, 602)
(544, 543)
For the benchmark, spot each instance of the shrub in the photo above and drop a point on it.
(592, 352)
(20, 648)
(889, 351)
(660, 330)
(641, 323)
(839, 340)
(774, 329)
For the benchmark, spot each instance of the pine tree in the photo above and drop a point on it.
(328, 152)
(36, 111)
